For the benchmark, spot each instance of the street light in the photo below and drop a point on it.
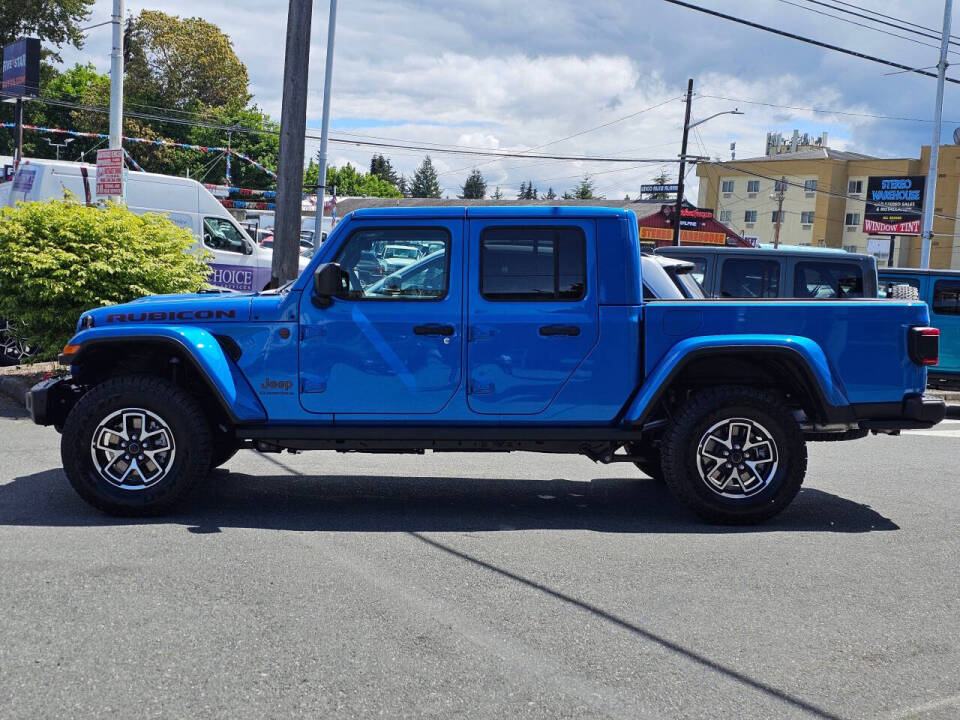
(65, 142)
(687, 126)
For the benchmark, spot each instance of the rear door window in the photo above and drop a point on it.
(946, 297)
(827, 280)
(750, 278)
(533, 263)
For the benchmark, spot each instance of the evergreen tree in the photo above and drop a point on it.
(383, 169)
(522, 195)
(425, 183)
(551, 195)
(475, 188)
(626, 198)
(532, 192)
(497, 194)
(660, 179)
(403, 185)
(585, 190)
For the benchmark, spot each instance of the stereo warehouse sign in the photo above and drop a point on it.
(894, 205)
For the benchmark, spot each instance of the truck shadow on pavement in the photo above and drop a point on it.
(372, 503)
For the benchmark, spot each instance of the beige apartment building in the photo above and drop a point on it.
(824, 199)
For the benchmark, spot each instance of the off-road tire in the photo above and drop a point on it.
(182, 415)
(680, 451)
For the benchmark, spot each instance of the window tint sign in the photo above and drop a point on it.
(21, 68)
(894, 205)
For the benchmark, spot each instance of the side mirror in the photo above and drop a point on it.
(247, 249)
(329, 281)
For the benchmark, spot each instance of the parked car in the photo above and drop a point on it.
(940, 290)
(535, 336)
(398, 256)
(796, 272)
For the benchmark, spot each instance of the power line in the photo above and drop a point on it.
(824, 111)
(859, 24)
(581, 132)
(931, 34)
(363, 143)
(895, 19)
(809, 41)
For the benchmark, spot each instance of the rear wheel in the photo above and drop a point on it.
(135, 445)
(734, 455)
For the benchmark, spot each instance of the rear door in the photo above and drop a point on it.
(532, 311)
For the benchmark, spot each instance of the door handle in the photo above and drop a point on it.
(434, 329)
(570, 330)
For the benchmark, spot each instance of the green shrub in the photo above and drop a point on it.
(60, 258)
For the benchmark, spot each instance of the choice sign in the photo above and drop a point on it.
(894, 205)
(21, 68)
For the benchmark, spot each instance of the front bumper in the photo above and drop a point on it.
(49, 401)
(916, 412)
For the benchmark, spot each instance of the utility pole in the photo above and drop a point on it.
(324, 128)
(931, 188)
(781, 191)
(116, 77)
(18, 134)
(683, 164)
(293, 127)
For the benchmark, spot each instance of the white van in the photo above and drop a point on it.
(238, 262)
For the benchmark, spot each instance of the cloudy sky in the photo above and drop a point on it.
(509, 75)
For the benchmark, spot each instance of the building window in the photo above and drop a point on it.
(853, 219)
(726, 216)
(810, 186)
(854, 187)
(776, 216)
(727, 186)
(807, 218)
(780, 186)
(750, 216)
(753, 186)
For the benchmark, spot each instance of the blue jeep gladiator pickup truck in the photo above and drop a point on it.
(509, 329)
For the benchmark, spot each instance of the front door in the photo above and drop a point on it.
(532, 315)
(393, 344)
(945, 314)
(234, 263)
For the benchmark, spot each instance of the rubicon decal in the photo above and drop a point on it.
(160, 315)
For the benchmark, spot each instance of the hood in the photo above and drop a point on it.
(199, 308)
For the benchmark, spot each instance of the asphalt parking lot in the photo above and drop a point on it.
(482, 586)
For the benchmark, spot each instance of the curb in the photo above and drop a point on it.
(15, 387)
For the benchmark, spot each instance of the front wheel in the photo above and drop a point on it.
(135, 445)
(734, 455)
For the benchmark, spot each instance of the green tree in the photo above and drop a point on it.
(660, 179)
(475, 188)
(522, 192)
(182, 63)
(383, 169)
(349, 181)
(497, 194)
(404, 186)
(585, 190)
(425, 183)
(551, 195)
(55, 22)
